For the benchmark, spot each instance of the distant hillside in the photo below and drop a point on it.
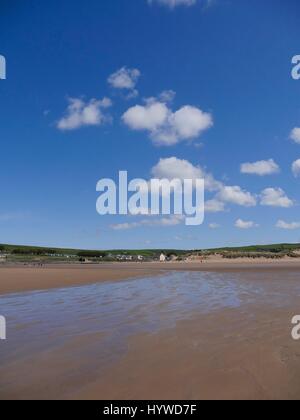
(23, 250)
(33, 250)
(275, 248)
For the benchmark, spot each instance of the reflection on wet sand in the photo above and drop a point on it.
(186, 335)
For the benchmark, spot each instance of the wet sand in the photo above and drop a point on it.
(20, 278)
(185, 335)
(216, 357)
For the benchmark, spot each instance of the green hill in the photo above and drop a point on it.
(27, 253)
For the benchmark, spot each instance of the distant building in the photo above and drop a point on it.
(124, 257)
(162, 258)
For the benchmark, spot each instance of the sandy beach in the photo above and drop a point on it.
(220, 356)
(16, 279)
(191, 331)
(20, 278)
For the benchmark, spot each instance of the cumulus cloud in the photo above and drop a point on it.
(124, 78)
(296, 168)
(242, 224)
(261, 168)
(275, 197)
(176, 168)
(173, 167)
(295, 135)
(80, 113)
(173, 220)
(174, 3)
(149, 117)
(170, 168)
(281, 224)
(164, 126)
(236, 195)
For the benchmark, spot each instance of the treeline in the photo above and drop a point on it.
(51, 251)
(92, 254)
(33, 251)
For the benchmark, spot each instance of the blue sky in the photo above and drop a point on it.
(229, 63)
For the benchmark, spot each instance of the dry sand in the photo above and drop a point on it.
(15, 279)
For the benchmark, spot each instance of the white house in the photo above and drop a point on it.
(162, 258)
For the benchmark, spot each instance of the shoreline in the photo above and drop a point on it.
(19, 278)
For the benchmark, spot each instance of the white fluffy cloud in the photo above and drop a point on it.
(149, 117)
(80, 113)
(164, 126)
(124, 78)
(173, 220)
(261, 168)
(173, 167)
(242, 224)
(236, 195)
(281, 224)
(275, 197)
(174, 3)
(296, 168)
(295, 135)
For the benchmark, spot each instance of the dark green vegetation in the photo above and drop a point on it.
(17, 253)
(42, 254)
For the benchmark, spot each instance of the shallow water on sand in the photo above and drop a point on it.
(104, 316)
(124, 308)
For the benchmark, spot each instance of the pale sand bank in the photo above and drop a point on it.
(19, 278)
(23, 279)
